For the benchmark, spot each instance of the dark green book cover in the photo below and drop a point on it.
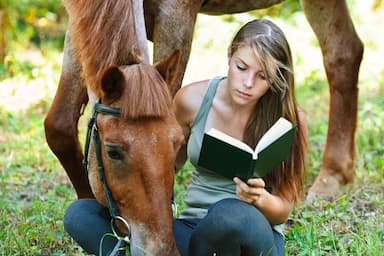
(226, 159)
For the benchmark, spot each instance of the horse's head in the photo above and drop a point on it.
(138, 148)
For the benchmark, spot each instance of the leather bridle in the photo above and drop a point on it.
(93, 132)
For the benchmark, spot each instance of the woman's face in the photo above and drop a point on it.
(246, 79)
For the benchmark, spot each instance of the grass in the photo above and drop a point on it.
(35, 190)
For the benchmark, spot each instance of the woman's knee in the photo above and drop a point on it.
(236, 213)
(87, 222)
(236, 218)
(230, 206)
(79, 211)
(231, 226)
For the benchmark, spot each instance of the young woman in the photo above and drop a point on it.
(224, 216)
(233, 217)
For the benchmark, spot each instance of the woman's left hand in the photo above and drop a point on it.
(253, 191)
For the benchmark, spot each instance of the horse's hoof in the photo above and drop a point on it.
(324, 187)
(311, 197)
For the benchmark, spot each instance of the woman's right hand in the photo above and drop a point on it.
(251, 191)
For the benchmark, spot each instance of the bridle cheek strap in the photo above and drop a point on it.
(108, 194)
(94, 132)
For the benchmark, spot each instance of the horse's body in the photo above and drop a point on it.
(136, 135)
(169, 24)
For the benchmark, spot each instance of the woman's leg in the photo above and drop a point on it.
(233, 227)
(279, 243)
(87, 221)
(183, 229)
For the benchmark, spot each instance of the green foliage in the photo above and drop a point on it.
(29, 23)
(36, 21)
(182, 179)
(285, 10)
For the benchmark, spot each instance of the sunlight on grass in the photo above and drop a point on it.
(22, 91)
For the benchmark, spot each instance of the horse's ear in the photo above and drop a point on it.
(112, 84)
(168, 68)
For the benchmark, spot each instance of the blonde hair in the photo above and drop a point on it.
(272, 50)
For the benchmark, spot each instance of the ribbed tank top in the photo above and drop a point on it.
(206, 186)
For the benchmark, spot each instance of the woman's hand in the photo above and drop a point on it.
(253, 191)
(275, 208)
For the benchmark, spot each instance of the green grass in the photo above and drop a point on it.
(35, 190)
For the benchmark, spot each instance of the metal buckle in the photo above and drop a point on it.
(127, 237)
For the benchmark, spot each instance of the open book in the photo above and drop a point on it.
(231, 157)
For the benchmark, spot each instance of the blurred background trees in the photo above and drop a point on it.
(41, 23)
(29, 23)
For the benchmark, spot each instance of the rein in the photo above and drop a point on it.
(93, 132)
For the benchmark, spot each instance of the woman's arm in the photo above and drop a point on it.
(180, 111)
(275, 208)
(186, 103)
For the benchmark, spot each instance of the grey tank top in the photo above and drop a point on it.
(206, 187)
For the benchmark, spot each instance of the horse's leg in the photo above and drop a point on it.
(342, 52)
(62, 119)
(170, 25)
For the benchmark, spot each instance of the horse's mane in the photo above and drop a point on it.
(151, 99)
(103, 33)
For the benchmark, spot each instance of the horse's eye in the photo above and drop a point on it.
(114, 151)
(115, 154)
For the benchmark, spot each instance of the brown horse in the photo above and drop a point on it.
(136, 135)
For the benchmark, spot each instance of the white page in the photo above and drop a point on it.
(229, 139)
(279, 128)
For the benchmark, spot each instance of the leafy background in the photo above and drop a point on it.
(35, 191)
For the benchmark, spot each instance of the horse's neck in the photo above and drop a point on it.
(138, 11)
(125, 32)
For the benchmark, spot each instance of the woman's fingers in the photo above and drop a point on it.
(251, 191)
(256, 182)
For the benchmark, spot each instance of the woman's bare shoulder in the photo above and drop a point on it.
(187, 101)
(190, 97)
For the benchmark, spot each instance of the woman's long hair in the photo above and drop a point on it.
(273, 53)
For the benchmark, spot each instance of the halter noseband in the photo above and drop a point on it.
(94, 132)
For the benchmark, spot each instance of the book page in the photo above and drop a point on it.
(229, 139)
(279, 128)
